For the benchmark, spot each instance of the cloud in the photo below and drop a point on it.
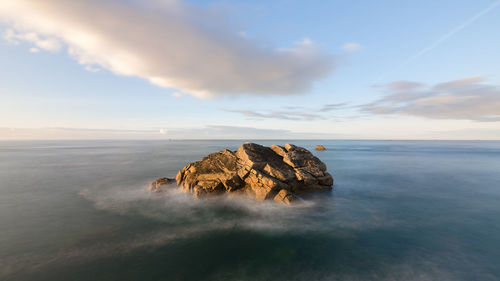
(293, 113)
(176, 95)
(466, 99)
(169, 43)
(443, 38)
(455, 30)
(48, 44)
(91, 68)
(351, 47)
(332, 106)
(403, 85)
(277, 114)
(163, 131)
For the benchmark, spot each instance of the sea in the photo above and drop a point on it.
(399, 210)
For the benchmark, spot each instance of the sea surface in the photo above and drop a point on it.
(400, 210)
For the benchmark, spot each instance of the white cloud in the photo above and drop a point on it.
(9, 36)
(352, 47)
(168, 43)
(176, 95)
(34, 50)
(47, 43)
(91, 68)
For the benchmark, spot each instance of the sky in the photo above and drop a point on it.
(260, 69)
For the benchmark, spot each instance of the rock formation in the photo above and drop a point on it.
(275, 173)
(320, 147)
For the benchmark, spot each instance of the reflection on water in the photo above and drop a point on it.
(400, 210)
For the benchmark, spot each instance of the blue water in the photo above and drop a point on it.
(400, 210)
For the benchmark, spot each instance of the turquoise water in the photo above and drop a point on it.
(400, 210)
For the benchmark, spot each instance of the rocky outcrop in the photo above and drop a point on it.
(275, 173)
(320, 147)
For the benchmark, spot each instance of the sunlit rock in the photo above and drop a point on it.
(160, 184)
(286, 197)
(320, 147)
(263, 173)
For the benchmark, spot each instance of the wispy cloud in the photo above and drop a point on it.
(294, 113)
(169, 43)
(332, 106)
(443, 38)
(403, 85)
(283, 114)
(352, 47)
(466, 99)
(454, 31)
(41, 42)
(92, 68)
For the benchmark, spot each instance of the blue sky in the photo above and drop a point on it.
(250, 69)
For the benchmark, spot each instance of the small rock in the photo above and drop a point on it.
(320, 147)
(159, 184)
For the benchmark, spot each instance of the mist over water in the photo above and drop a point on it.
(400, 210)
